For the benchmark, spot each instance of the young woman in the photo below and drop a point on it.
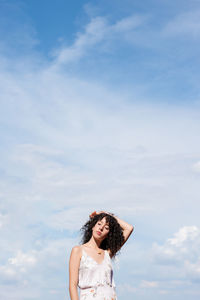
(90, 266)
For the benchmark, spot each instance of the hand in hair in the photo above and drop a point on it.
(94, 213)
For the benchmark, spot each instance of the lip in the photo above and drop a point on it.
(98, 232)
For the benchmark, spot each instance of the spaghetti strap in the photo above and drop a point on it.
(85, 252)
(96, 279)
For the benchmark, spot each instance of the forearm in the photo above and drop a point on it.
(127, 228)
(73, 291)
(124, 225)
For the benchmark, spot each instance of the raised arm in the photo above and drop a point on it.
(73, 272)
(127, 228)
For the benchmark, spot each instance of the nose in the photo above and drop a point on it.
(101, 227)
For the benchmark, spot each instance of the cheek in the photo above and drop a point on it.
(95, 227)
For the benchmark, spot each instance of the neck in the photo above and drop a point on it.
(93, 243)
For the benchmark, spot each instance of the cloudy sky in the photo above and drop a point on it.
(100, 110)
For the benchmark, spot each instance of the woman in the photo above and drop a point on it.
(90, 266)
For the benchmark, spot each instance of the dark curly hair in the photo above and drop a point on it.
(115, 238)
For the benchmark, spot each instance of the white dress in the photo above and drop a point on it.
(96, 280)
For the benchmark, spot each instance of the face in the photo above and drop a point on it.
(101, 229)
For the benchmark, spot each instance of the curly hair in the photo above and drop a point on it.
(115, 238)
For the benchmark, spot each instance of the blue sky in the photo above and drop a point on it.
(100, 108)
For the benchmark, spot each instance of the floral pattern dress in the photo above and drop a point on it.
(96, 279)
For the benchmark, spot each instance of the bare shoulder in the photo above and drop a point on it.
(76, 248)
(75, 258)
(76, 251)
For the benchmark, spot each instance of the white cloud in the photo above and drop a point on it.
(23, 260)
(7, 272)
(127, 288)
(168, 268)
(196, 166)
(148, 284)
(129, 23)
(187, 233)
(178, 247)
(70, 146)
(181, 252)
(69, 219)
(75, 138)
(185, 24)
(17, 268)
(193, 269)
(96, 31)
(3, 220)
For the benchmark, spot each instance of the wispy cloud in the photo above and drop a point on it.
(196, 166)
(70, 144)
(186, 25)
(149, 284)
(63, 141)
(96, 31)
(167, 268)
(181, 252)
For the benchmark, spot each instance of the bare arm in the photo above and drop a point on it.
(73, 272)
(127, 228)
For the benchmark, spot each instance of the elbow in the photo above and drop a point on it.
(131, 228)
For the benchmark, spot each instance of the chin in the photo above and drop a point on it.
(98, 237)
